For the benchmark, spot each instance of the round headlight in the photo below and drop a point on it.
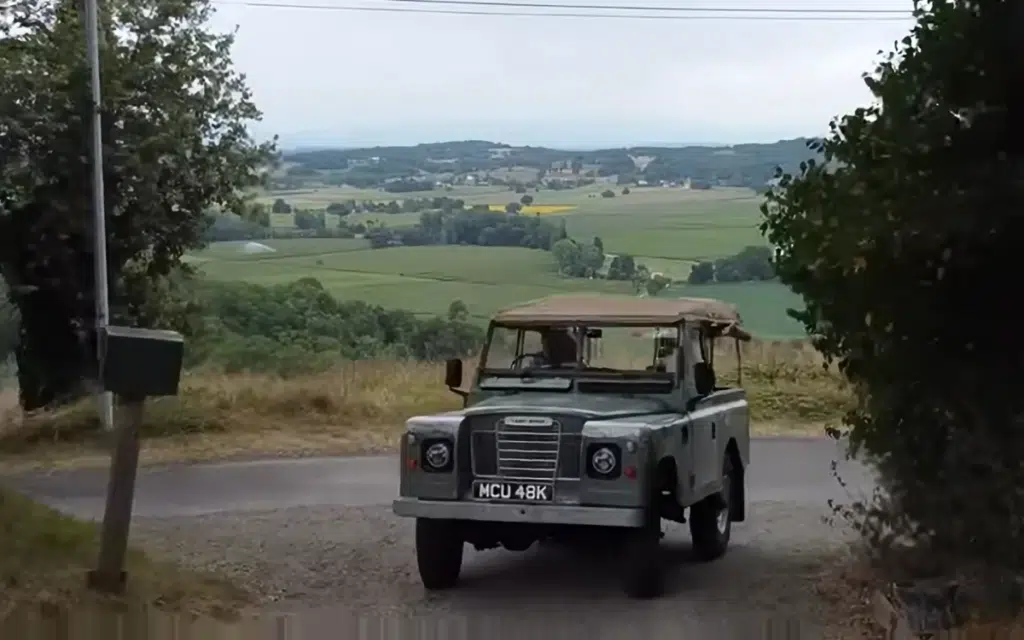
(604, 461)
(438, 455)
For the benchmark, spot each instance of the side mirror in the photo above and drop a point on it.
(453, 373)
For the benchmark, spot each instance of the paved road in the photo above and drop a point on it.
(318, 533)
(792, 470)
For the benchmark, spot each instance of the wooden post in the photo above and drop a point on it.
(109, 575)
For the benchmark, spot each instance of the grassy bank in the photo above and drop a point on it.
(359, 407)
(46, 556)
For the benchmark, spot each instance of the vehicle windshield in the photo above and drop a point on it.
(574, 350)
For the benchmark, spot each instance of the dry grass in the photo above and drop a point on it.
(847, 587)
(360, 407)
(46, 556)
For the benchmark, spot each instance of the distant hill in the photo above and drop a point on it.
(742, 165)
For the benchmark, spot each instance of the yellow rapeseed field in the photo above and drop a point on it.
(542, 209)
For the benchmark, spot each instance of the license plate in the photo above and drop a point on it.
(513, 491)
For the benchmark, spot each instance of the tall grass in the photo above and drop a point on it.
(361, 405)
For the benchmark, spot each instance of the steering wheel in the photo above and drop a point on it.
(519, 359)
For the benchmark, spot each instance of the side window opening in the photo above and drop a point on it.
(699, 345)
(668, 352)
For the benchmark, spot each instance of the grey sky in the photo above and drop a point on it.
(353, 78)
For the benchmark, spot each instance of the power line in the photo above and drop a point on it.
(753, 16)
(698, 10)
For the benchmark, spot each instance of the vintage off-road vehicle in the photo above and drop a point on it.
(559, 437)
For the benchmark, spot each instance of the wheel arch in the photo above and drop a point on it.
(666, 474)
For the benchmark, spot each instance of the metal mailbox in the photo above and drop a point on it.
(138, 363)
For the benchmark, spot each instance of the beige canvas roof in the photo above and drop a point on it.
(593, 309)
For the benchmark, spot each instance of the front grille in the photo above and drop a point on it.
(526, 452)
(529, 452)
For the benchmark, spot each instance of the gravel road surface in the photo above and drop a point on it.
(317, 537)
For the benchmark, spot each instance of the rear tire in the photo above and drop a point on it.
(439, 547)
(710, 522)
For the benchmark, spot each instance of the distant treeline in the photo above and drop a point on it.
(745, 165)
(473, 227)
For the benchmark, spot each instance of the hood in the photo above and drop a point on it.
(585, 405)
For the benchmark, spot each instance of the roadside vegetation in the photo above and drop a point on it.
(46, 556)
(290, 369)
(891, 258)
(360, 406)
(184, 151)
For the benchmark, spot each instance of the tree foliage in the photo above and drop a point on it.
(622, 267)
(174, 118)
(576, 259)
(485, 228)
(751, 264)
(897, 242)
(300, 327)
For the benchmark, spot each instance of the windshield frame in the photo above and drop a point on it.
(577, 371)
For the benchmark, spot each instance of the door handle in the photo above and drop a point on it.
(713, 431)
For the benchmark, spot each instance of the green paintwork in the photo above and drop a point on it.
(597, 406)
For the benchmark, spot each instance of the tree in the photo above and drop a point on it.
(622, 267)
(640, 277)
(656, 283)
(175, 145)
(457, 311)
(752, 264)
(258, 213)
(308, 220)
(592, 259)
(702, 273)
(904, 232)
(513, 207)
(755, 263)
(280, 206)
(569, 257)
(339, 209)
(526, 200)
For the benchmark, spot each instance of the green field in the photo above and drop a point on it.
(666, 229)
(426, 279)
(656, 222)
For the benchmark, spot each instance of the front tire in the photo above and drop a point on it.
(439, 547)
(710, 522)
(643, 569)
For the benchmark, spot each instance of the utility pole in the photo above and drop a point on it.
(105, 400)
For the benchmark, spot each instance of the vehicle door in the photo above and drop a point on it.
(703, 425)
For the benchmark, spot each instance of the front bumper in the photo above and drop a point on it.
(554, 514)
